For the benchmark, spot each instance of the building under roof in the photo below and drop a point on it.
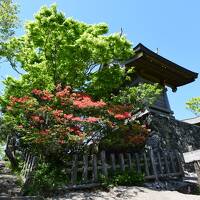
(151, 67)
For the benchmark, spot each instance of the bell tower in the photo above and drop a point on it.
(153, 68)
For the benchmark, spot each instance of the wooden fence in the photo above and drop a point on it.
(84, 169)
(29, 165)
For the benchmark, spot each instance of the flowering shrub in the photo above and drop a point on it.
(64, 119)
(131, 136)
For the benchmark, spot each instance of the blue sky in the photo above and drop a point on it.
(171, 26)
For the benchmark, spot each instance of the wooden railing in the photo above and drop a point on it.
(84, 169)
(28, 166)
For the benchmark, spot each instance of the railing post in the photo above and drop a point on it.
(74, 169)
(180, 162)
(95, 167)
(166, 162)
(160, 162)
(85, 167)
(129, 161)
(104, 164)
(138, 162)
(146, 164)
(121, 158)
(112, 155)
(172, 161)
(153, 164)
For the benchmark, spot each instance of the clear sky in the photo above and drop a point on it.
(172, 26)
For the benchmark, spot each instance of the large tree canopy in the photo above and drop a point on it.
(59, 50)
(56, 49)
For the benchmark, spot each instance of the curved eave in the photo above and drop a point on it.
(158, 69)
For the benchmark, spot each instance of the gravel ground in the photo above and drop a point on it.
(123, 193)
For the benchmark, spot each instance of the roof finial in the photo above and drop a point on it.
(121, 32)
(157, 50)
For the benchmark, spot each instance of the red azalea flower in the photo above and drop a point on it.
(61, 141)
(35, 118)
(78, 119)
(19, 100)
(47, 96)
(57, 113)
(64, 93)
(92, 119)
(69, 116)
(44, 132)
(20, 126)
(122, 116)
(37, 92)
(87, 102)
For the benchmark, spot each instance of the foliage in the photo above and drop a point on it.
(62, 121)
(126, 178)
(2, 153)
(8, 23)
(128, 137)
(8, 19)
(56, 49)
(74, 92)
(45, 179)
(194, 105)
(141, 96)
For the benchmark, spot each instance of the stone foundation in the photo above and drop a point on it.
(167, 132)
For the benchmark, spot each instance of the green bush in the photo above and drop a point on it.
(126, 178)
(45, 179)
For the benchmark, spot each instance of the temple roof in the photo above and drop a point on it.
(156, 68)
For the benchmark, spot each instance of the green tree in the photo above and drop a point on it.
(56, 52)
(9, 21)
(60, 50)
(194, 105)
(56, 49)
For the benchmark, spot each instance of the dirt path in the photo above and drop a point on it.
(127, 193)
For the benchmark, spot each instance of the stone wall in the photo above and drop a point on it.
(167, 132)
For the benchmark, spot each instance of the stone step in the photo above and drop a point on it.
(9, 185)
(9, 189)
(21, 198)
